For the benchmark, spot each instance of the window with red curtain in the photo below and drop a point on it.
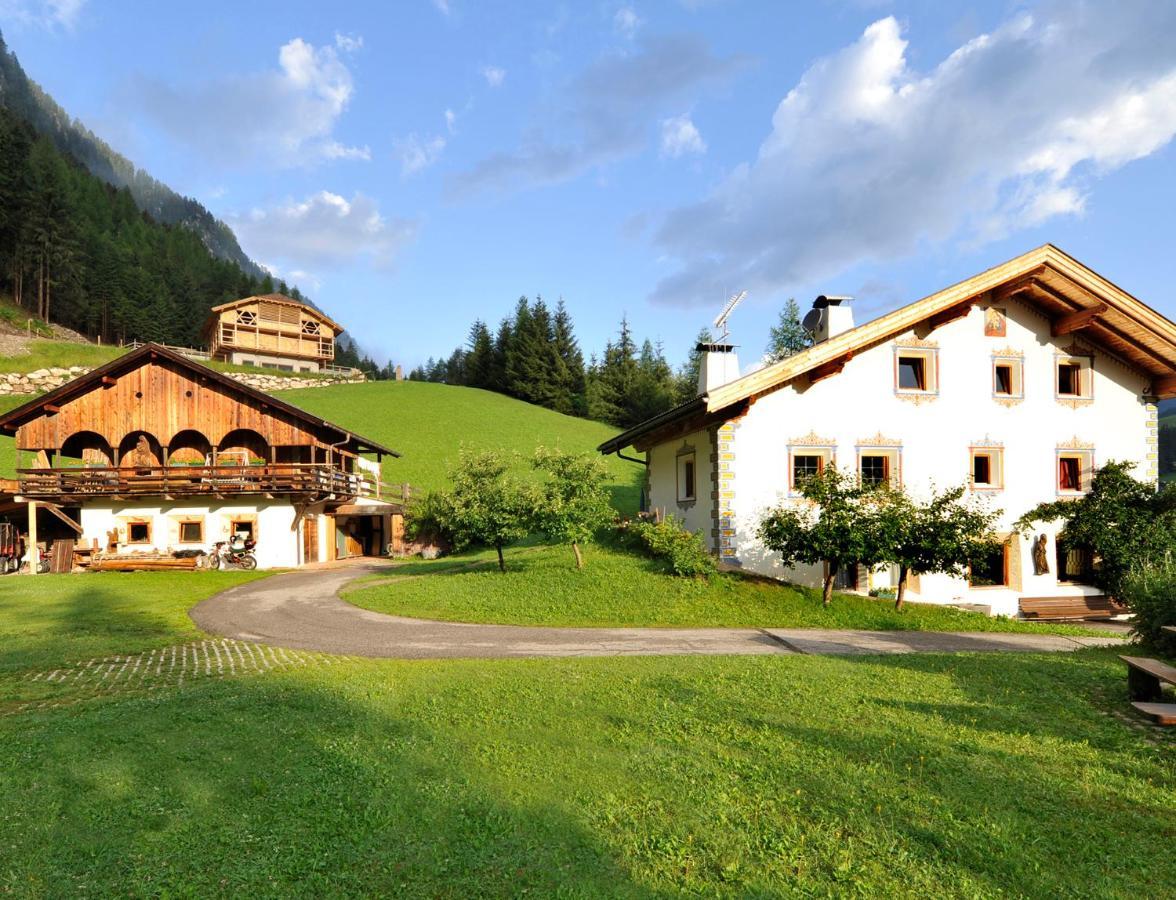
(1069, 473)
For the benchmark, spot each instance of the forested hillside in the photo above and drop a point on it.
(29, 102)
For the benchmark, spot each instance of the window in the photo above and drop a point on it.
(912, 374)
(1007, 378)
(875, 469)
(192, 532)
(1069, 473)
(246, 318)
(139, 532)
(687, 477)
(989, 570)
(1003, 379)
(806, 465)
(310, 327)
(1069, 380)
(987, 468)
(246, 527)
(916, 370)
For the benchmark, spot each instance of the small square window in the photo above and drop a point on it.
(912, 373)
(1069, 380)
(875, 469)
(192, 532)
(138, 532)
(1004, 379)
(1070, 473)
(243, 527)
(987, 468)
(982, 469)
(805, 466)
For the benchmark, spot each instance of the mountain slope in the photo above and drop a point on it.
(25, 98)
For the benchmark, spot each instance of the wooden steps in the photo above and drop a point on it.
(1075, 606)
(1160, 713)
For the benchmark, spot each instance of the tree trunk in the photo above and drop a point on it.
(828, 592)
(501, 561)
(579, 555)
(900, 595)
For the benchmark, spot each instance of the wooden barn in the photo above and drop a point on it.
(156, 452)
(271, 331)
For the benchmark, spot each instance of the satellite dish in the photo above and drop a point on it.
(812, 320)
(721, 318)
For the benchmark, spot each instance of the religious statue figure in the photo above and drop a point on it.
(1040, 558)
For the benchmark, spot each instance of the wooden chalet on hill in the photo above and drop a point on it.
(154, 451)
(271, 331)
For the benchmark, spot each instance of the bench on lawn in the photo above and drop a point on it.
(1145, 680)
(1075, 606)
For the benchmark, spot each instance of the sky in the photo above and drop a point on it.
(416, 165)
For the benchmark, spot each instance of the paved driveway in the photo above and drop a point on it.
(302, 610)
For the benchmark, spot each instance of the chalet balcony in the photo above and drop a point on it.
(195, 481)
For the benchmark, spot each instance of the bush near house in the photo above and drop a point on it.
(669, 540)
(1150, 593)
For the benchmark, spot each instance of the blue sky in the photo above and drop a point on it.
(416, 165)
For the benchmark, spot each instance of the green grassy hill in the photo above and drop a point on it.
(428, 423)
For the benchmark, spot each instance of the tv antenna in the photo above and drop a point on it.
(721, 318)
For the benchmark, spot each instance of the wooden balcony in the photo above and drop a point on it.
(194, 481)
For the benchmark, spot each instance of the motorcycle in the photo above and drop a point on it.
(233, 553)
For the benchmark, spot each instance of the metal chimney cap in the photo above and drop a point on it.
(714, 348)
(830, 300)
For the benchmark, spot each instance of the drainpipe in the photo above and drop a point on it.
(641, 503)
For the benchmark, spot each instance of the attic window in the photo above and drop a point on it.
(1074, 381)
(247, 318)
(912, 373)
(916, 370)
(310, 327)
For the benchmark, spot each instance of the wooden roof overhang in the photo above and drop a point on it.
(1076, 300)
(49, 403)
(670, 425)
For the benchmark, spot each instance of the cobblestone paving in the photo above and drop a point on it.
(164, 667)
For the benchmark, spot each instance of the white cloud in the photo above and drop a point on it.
(626, 22)
(442, 6)
(868, 158)
(416, 154)
(607, 113)
(348, 43)
(494, 75)
(679, 136)
(285, 116)
(450, 121)
(42, 13)
(325, 230)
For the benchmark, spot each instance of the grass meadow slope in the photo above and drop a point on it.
(428, 423)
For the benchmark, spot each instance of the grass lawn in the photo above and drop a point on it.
(616, 588)
(969, 775)
(428, 423)
(46, 354)
(48, 620)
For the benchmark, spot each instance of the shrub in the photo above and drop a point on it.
(670, 541)
(1150, 592)
(423, 519)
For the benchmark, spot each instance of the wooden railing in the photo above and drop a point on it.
(187, 481)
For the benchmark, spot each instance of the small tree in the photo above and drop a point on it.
(486, 505)
(941, 534)
(788, 335)
(1125, 522)
(574, 501)
(836, 528)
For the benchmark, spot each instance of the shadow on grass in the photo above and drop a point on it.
(269, 786)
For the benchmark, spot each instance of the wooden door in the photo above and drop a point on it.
(310, 539)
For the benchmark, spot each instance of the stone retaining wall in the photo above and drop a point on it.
(43, 380)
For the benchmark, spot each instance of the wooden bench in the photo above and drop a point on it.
(1075, 606)
(1145, 680)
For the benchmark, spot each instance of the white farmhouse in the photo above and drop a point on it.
(1019, 381)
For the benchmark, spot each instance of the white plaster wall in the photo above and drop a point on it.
(277, 545)
(663, 483)
(936, 434)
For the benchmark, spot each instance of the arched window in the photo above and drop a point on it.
(189, 448)
(85, 448)
(139, 450)
(243, 447)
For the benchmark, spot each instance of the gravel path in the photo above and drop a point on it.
(302, 610)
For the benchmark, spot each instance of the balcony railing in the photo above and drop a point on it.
(191, 481)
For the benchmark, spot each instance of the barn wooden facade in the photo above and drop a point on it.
(272, 331)
(154, 450)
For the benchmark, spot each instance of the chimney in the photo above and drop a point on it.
(829, 317)
(718, 366)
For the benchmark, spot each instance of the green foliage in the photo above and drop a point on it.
(787, 337)
(1149, 591)
(669, 540)
(834, 529)
(686, 381)
(486, 503)
(424, 518)
(1126, 522)
(573, 503)
(940, 534)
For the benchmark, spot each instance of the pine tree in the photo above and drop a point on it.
(480, 357)
(686, 387)
(571, 387)
(787, 336)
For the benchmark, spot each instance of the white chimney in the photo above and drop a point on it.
(829, 317)
(719, 365)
